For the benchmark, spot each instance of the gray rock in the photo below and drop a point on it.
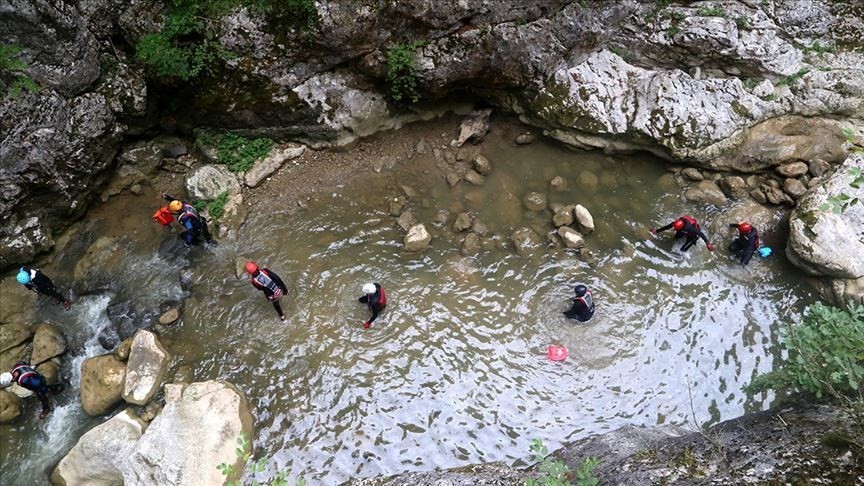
(101, 384)
(535, 201)
(763, 89)
(525, 240)
(776, 195)
(706, 192)
(570, 237)
(209, 181)
(759, 196)
(733, 186)
(474, 127)
(11, 407)
(170, 316)
(479, 228)
(452, 177)
(818, 167)
(473, 177)
(558, 183)
(794, 187)
(470, 245)
(48, 342)
(525, 138)
(397, 205)
(440, 219)
(815, 181)
(406, 220)
(692, 173)
(794, 169)
(145, 369)
(482, 164)
(563, 216)
(584, 219)
(417, 239)
(270, 164)
(462, 223)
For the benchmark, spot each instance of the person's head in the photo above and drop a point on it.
(745, 228)
(23, 276)
(5, 379)
(580, 290)
(175, 206)
(251, 268)
(369, 288)
(678, 225)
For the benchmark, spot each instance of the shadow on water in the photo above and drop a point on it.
(454, 372)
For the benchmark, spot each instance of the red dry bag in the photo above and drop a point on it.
(163, 216)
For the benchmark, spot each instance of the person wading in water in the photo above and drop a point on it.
(687, 227)
(268, 282)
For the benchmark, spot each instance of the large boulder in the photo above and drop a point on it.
(209, 181)
(584, 219)
(14, 344)
(48, 342)
(196, 431)
(145, 369)
(474, 127)
(417, 239)
(102, 380)
(17, 304)
(825, 243)
(270, 164)
(98, 457)
(10, 407)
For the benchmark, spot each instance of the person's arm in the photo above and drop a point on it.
(664, 228)
(169, 197)
(733, 225)
(364, 299)
(700, 234)
(375, 313)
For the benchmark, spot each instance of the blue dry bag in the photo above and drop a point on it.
(765, 251)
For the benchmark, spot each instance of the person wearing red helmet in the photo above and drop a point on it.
(688, 227)
(268, 282)
(747, 242)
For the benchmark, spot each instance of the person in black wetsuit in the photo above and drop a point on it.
(268, 282)
(196, 231)
(688, 227)
(747, 242)
(38, 282)
(26, 377)
(583, 305)
(375, 298)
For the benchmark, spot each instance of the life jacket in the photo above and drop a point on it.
(267, 283)
(691, 220)
(189, 213)
(587, 300)
(22, 371)
(382, 300)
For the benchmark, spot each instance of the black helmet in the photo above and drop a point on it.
(581, 290)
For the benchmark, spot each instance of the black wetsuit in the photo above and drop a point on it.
(43, 285)
(28, 378)
(377, 302)
(745, 245)
(272, 286)
(195, 226)
(583, 308)
(691, 231)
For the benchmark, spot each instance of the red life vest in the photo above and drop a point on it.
(691, 220)
(264, 281)
(22, 371)
(383, 300)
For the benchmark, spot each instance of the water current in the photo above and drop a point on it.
(454, 372)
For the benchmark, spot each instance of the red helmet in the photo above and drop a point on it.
(678, 224)
(745, 227)
(251, 267)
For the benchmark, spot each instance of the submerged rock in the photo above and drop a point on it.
(563, 216)
(558, 183)
(406, 220)
(525, 240)
(417, 239)
(145, 369)
(470, 245)
(462, 223)
(524, 138)
(535, 201)
(474, 177)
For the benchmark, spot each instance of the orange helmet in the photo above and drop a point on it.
(251, 267)
(678, 224)
(175, 205)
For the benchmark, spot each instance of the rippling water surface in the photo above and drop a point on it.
(454, 371)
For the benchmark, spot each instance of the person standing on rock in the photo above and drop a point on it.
(688, 227)
(376, 299)
(195, 226)
(583, 305)
(747, 242)
(38, 282)
(268, 282)
(28, 378)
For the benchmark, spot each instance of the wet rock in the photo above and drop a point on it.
(11, 407)
(170, 316)
(99, 455)
(124, 178)
(570, 237)
(136, 189)
(794, 187)
(48, 342)
(18, 306)
(692, 174)
(101, 384)
(270, 164)
(818, 167)
(479, 228)
(462, 223)
(706, 192)
(397, 205)
(145, 369)
(470, 245)
(406, 220)
(482, 164)
(417, 239)
(794, 169)
(440, 219)
(408, 191)
(452, 177)
(588, 181)
(584, 219)
(474, 177)
(813, 182)
(563, 216)
(759, 196)
(753, 181)
(465, 153)
(209, 181)
(775, 195)
(558, 183)
(525, 138)
(474, 127)
(105, 253)
(151, 410)
(733, 186)
(51, 371)
(535, 201)
(525, 240)
(13, 335)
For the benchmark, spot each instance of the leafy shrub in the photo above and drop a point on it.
(818, 48)
(400, 71)
(711, 12)
(238, 153)
(13, 81)
(555, 472)
(794, 77)
(743, 23)
(244, 453)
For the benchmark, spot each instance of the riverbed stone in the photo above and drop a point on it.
(479, 227)
(563, 216)
(99, 455)
(474, 177)
(535, 201)
(558, 183)
(759, 196)
(733, 186)
(474, 127)
(570, 237)
(794, 169)
(470, 245)
(101, 384)
(121, 352)
(452, 177)
(525, 240)
(482, 164)
(776, 195)
(406, 220)
(462, 222)
(11, 407)
(145, 369)
(794, 187)
(209, 181)
(706, 192)
(692, 173)
(48, 342)
(818, 167)
(170, 316)
(271, 163)
(525, 138)
(588, 181)
(440, 219)
(397, 205)
(584, 219)
(417, 239)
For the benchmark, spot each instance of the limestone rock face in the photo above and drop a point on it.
(145, 369)
(823, 243)
(209, 181)
(101, 383)
(270, 164)
(417, 239)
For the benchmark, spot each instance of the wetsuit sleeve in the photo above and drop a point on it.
(733, 225)
(375, 312)
(278, 281)
(664, 228)
(169, 197)
(700, 234)
(364, 299)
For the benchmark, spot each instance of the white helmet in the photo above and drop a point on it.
(5, 379)
(369, 288)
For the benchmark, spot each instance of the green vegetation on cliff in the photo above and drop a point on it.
(13, 80)
(400, 71)
(238, 153)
